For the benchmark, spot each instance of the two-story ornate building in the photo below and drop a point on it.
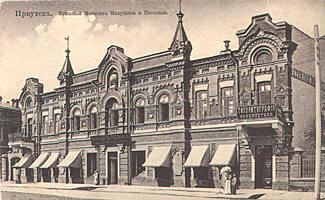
(164, 119)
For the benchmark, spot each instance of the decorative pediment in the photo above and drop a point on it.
(116, 59)
(32, 88)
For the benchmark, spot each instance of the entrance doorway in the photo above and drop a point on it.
(112, 168)
(13, 161)
(263, 166)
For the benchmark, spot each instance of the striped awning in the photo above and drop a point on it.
(40, 160)
(24, 162)
(52, 161)
(199, 157)
(73, 159)
(224, 155)
(159, 157)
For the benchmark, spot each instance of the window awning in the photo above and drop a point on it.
(159, 157)
(224, 155)
(52, 161)
(199, 157)
(73, 159)
(24, 162)
(40, 160)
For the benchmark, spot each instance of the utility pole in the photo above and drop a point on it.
(129, 129)
(318, 114)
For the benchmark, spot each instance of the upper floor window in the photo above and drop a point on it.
(163, 108)
(112, 79)
(93, 117)
(111, 113)
(29, 128)
(45, 121)
(228, 100)
(76, 120)
(264, 92)
(57, 118)
(28, 102)
(139, 111)
(202, 104)
(263, 57)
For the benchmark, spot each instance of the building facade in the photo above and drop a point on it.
(10, 122)
(164, 119)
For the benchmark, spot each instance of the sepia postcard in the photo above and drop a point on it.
(170, 99)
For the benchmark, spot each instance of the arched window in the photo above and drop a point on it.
(163, 108)
(111, 113)
(263, 56)
(93, 117)
(28, 102)
(76, 120)
(201, 104)
(139, 111)
(112, 79)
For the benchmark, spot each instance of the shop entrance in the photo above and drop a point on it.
(112, 168)
(263, 166)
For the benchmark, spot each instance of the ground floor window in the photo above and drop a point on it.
(138, 158)
(201, 172)
(91, 163)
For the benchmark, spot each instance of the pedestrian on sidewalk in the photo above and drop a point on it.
(56, 174)
(18, 175)
(96, 177)
(227, 189)
(233, 184)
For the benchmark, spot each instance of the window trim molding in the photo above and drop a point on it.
(224, 84)
(263, 78)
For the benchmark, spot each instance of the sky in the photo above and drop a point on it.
(34, 46)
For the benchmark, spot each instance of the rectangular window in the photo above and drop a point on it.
(57, 122)
(138, 158)
(91, 163)
(45, 121)
(264, 93)
(202, 104)
(228, 101)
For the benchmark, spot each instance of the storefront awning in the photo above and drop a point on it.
(159, 157)
(24, 162)
(224, 155)
(52, 161)
(199, 157)
(73, 159)
(40, 160)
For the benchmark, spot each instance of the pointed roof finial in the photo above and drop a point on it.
(67, 50)
(180, 6)
(180, 14)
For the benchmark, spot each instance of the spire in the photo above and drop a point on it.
(66, 72)
(180, 44)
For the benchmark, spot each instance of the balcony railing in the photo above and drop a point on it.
(19, 137)
(260, 111)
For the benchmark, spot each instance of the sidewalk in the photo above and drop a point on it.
(89, 191)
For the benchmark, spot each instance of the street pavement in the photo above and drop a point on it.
(114, 192)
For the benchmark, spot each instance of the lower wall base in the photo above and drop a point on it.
(280, 186)
(246, 185)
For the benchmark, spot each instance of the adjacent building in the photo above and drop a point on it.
(10, 122)
(167, 120)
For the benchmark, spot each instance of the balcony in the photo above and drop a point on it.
(20, 140)
(260, 112)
